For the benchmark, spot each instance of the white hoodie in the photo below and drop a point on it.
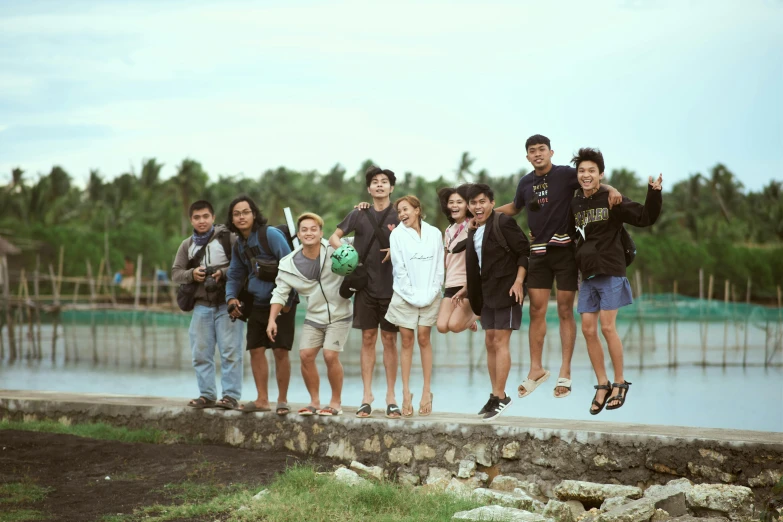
(417, 263)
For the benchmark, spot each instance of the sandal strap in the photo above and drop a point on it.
(602, 387)
(623, 385)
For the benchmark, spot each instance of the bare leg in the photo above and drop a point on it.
(461, 318)
(390, 362)
(283, 372)
(367, 360)
(609, 331)
(595, 351)
(310, 375)
(489, 340)
(334, 371)
(406, 358)
(444, 313)
(425, 347)
(565, 312)
(502, 362)
(539, 297)
(260, 375)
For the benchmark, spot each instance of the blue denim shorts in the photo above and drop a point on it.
(604, 292)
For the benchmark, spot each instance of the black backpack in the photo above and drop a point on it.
(629, 247)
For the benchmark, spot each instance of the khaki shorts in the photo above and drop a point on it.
(333, 337)
(405, 315)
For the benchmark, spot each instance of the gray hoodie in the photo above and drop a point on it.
(324, 303)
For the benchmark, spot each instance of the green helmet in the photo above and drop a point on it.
(345, 260)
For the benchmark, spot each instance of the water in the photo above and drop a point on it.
(714, 397)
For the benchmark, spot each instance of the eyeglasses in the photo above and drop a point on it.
(244, 213)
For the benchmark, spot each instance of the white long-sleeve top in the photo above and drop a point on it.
(417, 263)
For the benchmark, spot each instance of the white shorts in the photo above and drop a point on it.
(332, 337)
(405, 315)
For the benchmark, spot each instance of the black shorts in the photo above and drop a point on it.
(370, 312)
(508, 318)
(256, 329)
(559, 263)
(451, 292)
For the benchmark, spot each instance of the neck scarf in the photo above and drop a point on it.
(202, 239)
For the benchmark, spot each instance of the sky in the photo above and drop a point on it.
(244, 86)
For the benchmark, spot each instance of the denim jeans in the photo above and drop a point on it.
(208, 327)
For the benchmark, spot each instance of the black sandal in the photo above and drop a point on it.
(227, 403)
(201, 403)
(624, 389)
(365, 408)
(606, 398)
(391, 409)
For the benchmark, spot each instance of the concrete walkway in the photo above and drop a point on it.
(551, 449)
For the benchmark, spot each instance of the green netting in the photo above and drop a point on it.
(652, 307)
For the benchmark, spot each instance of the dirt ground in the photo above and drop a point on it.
(76, 468)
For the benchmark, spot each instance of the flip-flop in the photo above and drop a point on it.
(282, 408)
(562, 382)
(329, 412)
(307, 411)
(529, 385)
(201, 403)
(428, 410)
(364, 408)
(393, 408)
(250, 407)
(407, 411)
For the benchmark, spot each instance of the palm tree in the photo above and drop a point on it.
(465, 164)
(189, 182)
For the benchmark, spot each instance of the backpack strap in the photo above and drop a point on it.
(263, 239)
(195, 261)
(377, 226)
(225, 242)
(499, 237)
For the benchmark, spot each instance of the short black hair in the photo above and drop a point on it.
(446, 192)
(258, 217)
(199, 205)
(537, 139)
(589, 154)
(374, 170)
(477, 189)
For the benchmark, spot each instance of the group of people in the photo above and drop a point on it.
(413, 278)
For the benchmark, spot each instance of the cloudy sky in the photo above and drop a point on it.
(242, 86)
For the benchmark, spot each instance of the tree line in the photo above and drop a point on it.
(709, 220)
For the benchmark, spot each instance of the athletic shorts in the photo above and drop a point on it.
(405, 315)
(256, 329)
(370, 312)
(331, 337)
(451, 292)
(604, 292)
(557, 264)
(508, 318)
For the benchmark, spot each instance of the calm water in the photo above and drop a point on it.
(750, 398)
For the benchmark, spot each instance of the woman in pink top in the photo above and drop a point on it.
(455, 314)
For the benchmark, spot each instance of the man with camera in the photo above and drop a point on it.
(199, 268)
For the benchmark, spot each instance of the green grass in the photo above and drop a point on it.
(302, 494)
(22, 492)
(25, 492)
(21, 515)
(98, 430)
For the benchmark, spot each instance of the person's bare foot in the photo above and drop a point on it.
(601, 392)
(407, 404)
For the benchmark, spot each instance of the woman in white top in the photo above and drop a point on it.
(455, 314)
(417, 264)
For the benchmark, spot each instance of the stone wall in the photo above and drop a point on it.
(547, 451)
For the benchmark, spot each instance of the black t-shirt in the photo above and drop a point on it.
(552, 192)
(379, 275)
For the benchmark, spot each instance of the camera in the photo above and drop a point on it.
(233, 307)
(210, 285)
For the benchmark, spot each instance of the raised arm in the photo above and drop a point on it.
(640, 215)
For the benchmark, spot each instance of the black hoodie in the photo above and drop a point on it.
(599, 250)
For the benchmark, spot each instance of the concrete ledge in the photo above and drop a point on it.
(549, 450)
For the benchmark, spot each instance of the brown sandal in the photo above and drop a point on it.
(201, 403)
(425, 408)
